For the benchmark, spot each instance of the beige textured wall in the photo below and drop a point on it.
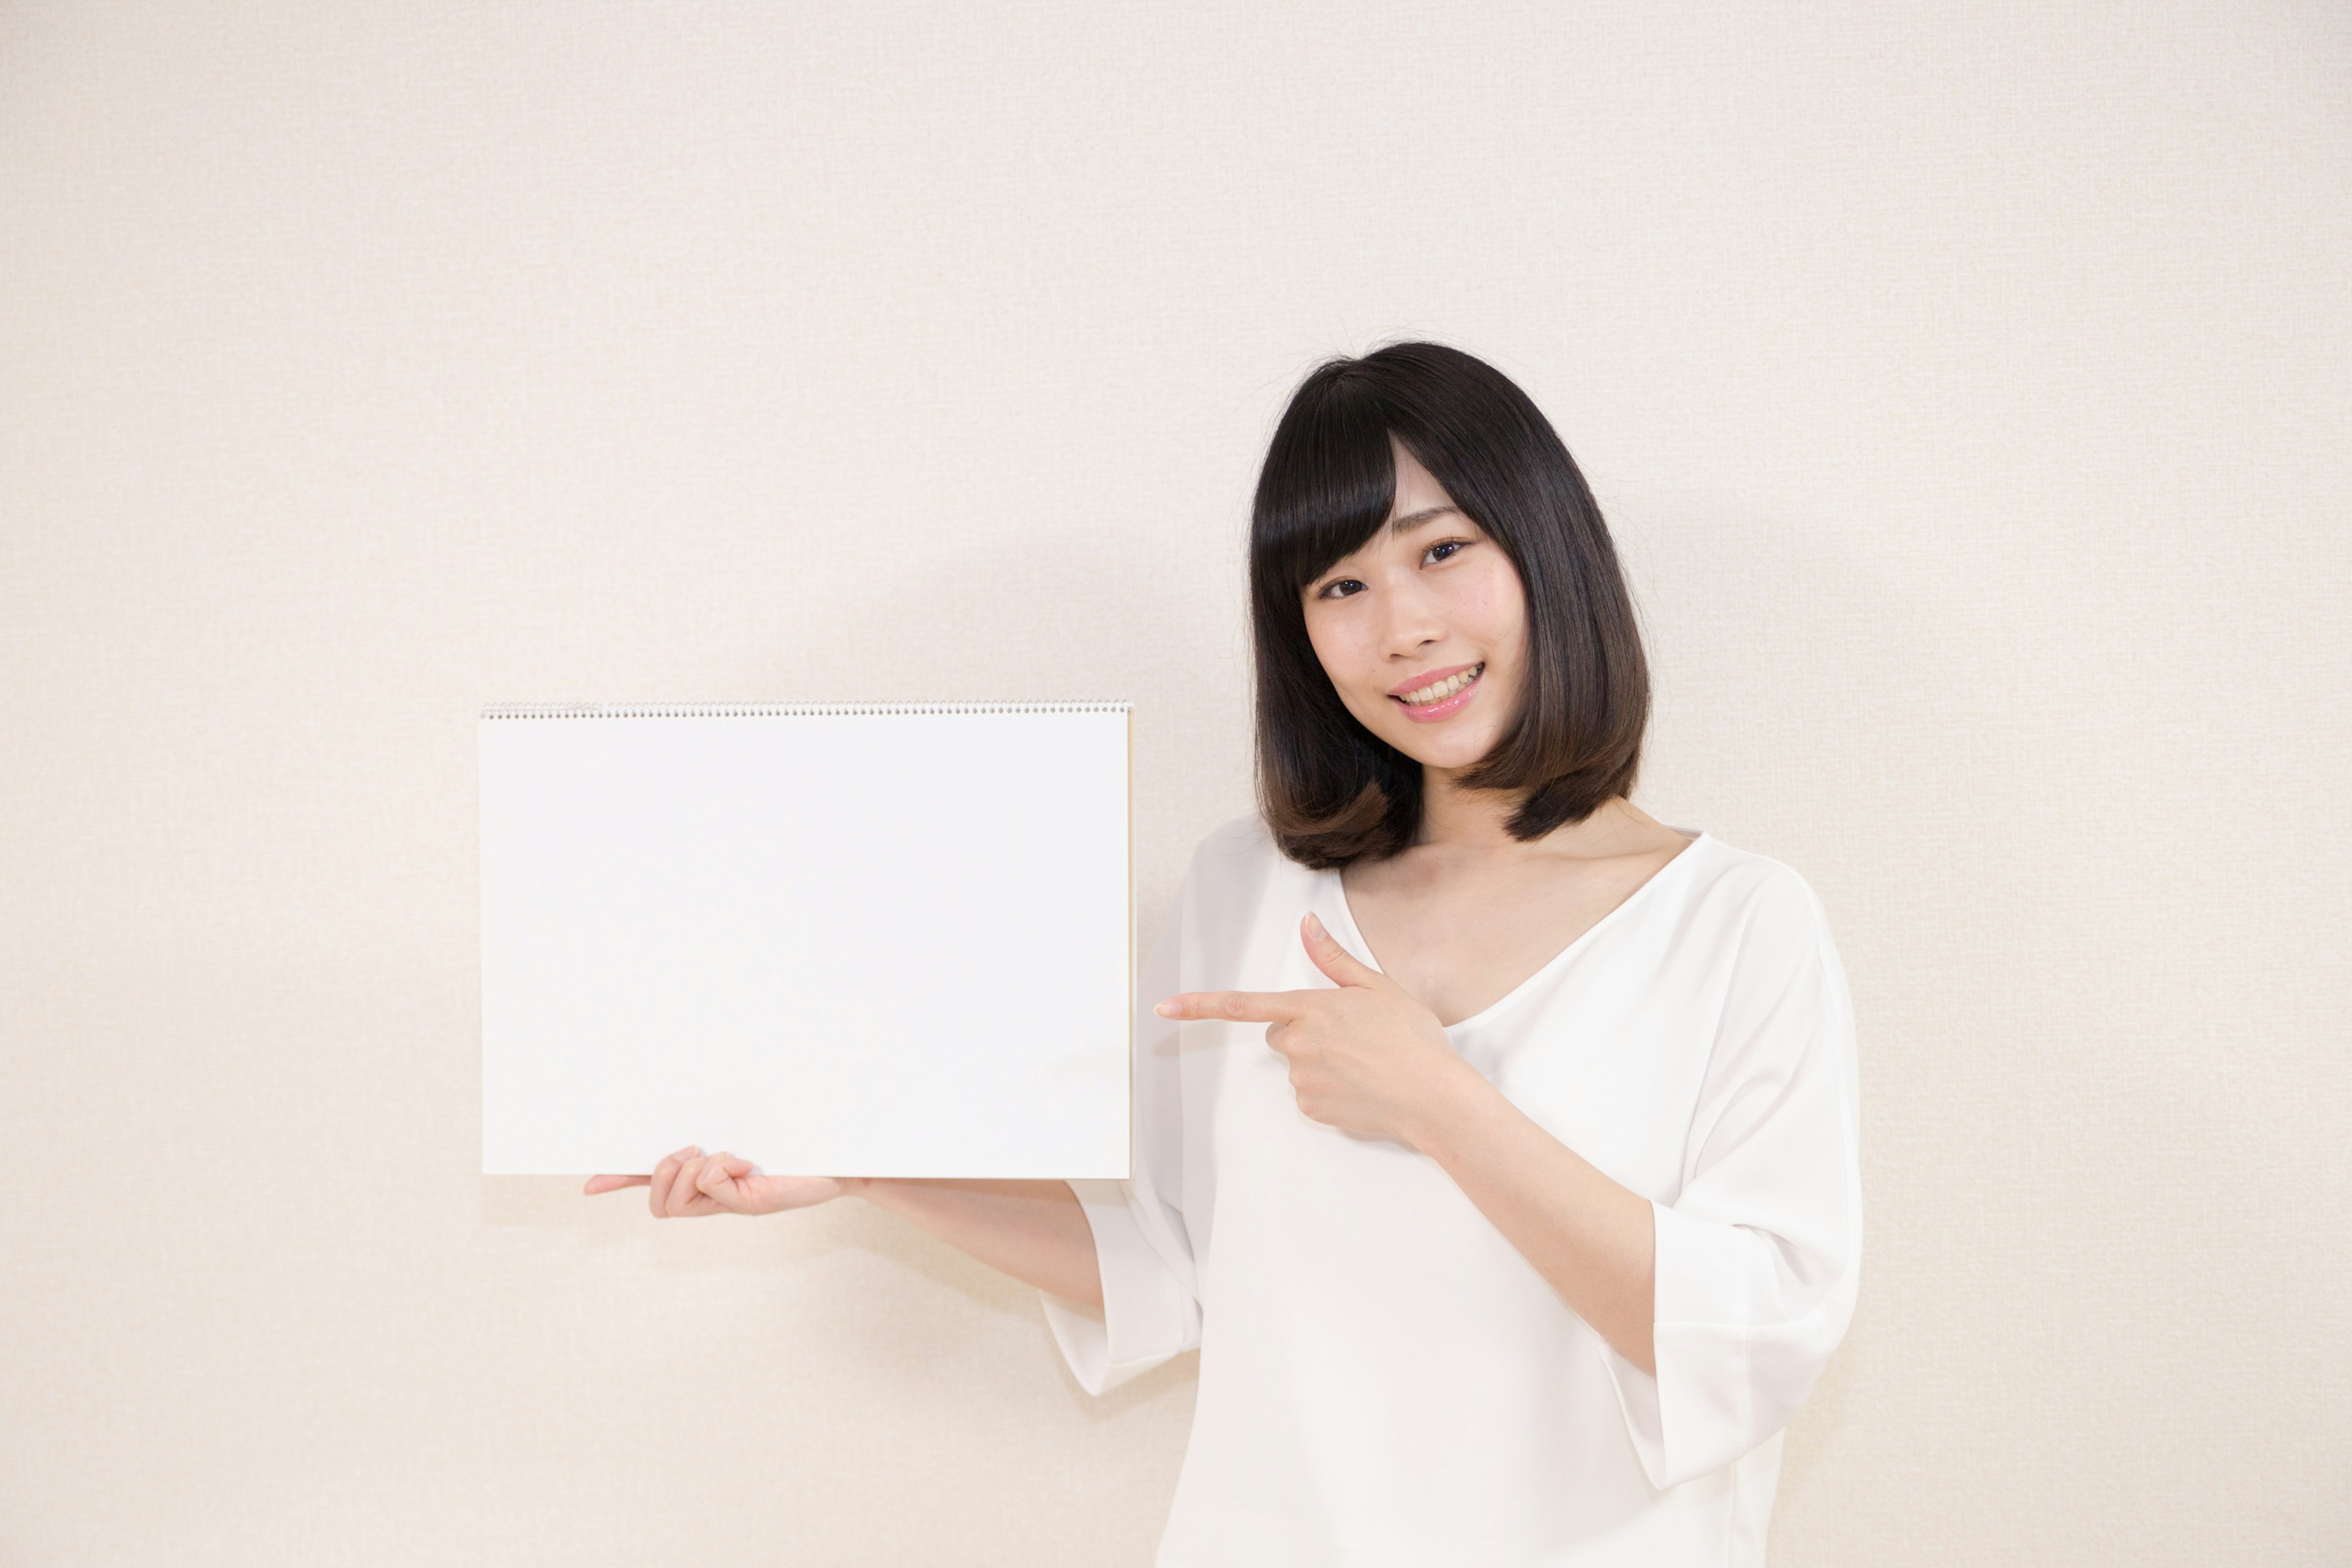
(1969, 392)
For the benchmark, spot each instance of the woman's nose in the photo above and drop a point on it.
(1412, 623)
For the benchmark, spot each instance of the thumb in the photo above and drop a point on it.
(1336, 961)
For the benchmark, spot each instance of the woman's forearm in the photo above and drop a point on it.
(1034, 1231)
(1591, 1238)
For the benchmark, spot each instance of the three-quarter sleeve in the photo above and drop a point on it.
(1151, 1307)
(1759, 1254)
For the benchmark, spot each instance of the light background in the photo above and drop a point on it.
(1967, 387)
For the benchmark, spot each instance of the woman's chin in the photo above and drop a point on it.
(1441, 746)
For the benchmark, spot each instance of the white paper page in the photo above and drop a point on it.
(832, 941)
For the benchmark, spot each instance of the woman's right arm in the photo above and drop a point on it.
(1034, 1231)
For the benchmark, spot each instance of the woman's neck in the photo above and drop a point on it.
(1457, 820)
(1477, 822)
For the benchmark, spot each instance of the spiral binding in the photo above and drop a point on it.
(791, 710)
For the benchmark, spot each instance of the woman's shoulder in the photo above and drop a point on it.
(1763, 902)
(1240, 849)
(1244, 838)
(1239, 862)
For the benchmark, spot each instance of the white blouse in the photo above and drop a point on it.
(1383, 1378)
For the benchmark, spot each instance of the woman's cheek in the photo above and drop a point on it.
(1336, 653)
(1490, 604)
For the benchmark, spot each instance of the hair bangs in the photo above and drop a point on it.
(1328, 480)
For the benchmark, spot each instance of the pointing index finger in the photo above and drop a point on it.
(1234, 1006)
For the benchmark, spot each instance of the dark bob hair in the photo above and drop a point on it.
(1332, 792)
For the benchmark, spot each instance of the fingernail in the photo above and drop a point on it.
(1165, 1009)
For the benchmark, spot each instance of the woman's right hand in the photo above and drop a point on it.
(690, 1184)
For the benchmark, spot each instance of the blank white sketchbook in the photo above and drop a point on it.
(877, 940)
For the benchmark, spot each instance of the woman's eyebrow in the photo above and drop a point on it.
(1413, 520)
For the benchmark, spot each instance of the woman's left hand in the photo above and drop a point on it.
(1366, 1057)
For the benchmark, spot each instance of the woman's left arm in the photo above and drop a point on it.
(1591, 1237)
(1719, 1311)
(1369, 1058)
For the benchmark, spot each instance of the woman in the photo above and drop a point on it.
(1541, 1215)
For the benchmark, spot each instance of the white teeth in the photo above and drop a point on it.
(1443, 688)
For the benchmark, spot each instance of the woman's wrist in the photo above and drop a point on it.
(1456, 1098)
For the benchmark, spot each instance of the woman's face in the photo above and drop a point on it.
(1424, 630)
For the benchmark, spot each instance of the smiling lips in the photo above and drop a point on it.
(1439, 694)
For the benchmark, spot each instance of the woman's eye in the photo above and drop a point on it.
(1339, 589)
(1444, 549)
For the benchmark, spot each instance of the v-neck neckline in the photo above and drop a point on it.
(1348, 915)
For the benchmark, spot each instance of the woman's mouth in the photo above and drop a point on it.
(1442, 698)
